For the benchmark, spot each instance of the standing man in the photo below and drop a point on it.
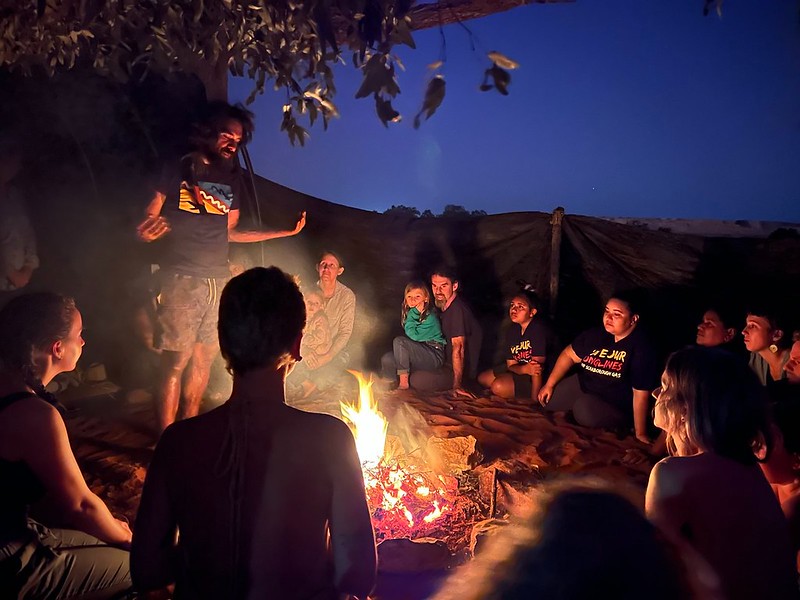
(197, 204)
(460, 329)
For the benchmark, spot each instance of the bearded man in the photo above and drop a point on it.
(195, 208)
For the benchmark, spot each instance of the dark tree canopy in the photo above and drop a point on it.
(284, 43)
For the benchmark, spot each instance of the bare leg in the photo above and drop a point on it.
(503, 386)
(169, 386)
(486, 378)
(196, 380)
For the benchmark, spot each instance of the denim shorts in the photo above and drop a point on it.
(188, 310)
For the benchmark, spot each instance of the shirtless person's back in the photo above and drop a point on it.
(269, 502)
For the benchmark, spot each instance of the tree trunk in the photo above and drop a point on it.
(214, 76)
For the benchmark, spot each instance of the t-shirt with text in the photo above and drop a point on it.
(612, 370)
(522, 347)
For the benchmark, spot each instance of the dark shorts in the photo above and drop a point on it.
(523, 384)
(188, 309)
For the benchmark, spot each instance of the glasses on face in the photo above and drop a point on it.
(656, 393)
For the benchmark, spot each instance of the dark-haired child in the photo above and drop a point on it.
(525, 349)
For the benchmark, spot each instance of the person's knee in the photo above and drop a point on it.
(486, 378)
(174, 362)
(203, 356)
(503, 387)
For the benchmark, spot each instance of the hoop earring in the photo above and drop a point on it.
(773, 348)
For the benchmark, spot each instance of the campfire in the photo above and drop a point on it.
(408, 497)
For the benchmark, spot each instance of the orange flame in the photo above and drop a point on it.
(393, 491)
(368, 424)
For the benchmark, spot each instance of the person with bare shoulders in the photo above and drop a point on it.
(40, 337)
(711, 491)
(195, 208)
(256, 499)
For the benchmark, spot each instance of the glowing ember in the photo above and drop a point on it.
(405, 496)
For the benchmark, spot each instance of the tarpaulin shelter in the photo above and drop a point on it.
(594, 257)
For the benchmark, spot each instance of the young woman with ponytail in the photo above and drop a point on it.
(40, 337)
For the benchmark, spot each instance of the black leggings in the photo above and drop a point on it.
(588, 410)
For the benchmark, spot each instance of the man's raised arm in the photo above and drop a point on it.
(245, 237)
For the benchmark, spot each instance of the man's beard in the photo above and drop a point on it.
(440, 304)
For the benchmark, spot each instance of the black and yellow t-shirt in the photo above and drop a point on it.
(199, 198)
(611, 369)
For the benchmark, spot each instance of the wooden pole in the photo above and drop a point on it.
(555, 257)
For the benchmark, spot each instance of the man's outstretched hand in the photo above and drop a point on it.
(301, 222)
(152, 228)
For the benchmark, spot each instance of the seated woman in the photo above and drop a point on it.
(423, 345)
(616, 369)
(711, 492)
(339, 303)
(526, 350)
(584, 540)
(254, 498)
(40, 337)
(768, 340)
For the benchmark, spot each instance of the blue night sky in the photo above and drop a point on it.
(619, 108)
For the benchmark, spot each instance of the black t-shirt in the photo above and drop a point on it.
(522, 347)
(458, 321)
(197, 208)
(612, 370)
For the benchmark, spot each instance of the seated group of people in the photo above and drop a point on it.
(259, 499)
(604, 377)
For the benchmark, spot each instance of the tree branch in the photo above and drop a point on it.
(424, 16)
